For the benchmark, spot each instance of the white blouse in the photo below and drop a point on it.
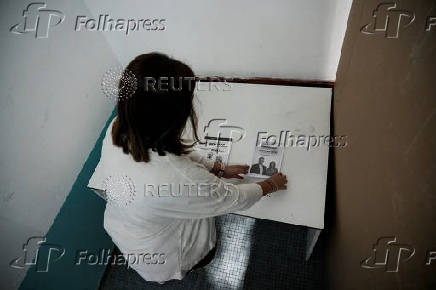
(161, 213)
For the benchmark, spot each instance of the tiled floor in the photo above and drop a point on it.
(251, 254)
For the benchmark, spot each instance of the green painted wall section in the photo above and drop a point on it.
(77, 227)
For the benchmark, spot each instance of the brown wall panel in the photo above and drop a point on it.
(385, 179)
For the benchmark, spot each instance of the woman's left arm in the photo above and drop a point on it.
(195, 156)
(218, 169)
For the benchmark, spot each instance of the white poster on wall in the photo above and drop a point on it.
(297, 119)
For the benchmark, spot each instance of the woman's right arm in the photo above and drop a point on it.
(205, 195)
(276, 182)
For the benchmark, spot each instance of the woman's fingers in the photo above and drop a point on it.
(239, 169)
(244, 168)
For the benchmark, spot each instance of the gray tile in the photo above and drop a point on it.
(251, 254)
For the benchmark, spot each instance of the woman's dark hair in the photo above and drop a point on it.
(155, 115)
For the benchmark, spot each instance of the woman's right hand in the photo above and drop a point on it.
(276, 182)
(280, 180)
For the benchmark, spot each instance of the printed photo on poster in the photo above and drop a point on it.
(216, 149)
(267, 160)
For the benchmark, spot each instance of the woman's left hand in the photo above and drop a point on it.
(233, 171)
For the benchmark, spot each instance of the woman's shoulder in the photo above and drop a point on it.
(189, 169)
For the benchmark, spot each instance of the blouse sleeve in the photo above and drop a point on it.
(202, 195)
(195, 156)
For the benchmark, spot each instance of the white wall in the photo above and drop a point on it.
(52, 109)
(51, 114)
(281, 38)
